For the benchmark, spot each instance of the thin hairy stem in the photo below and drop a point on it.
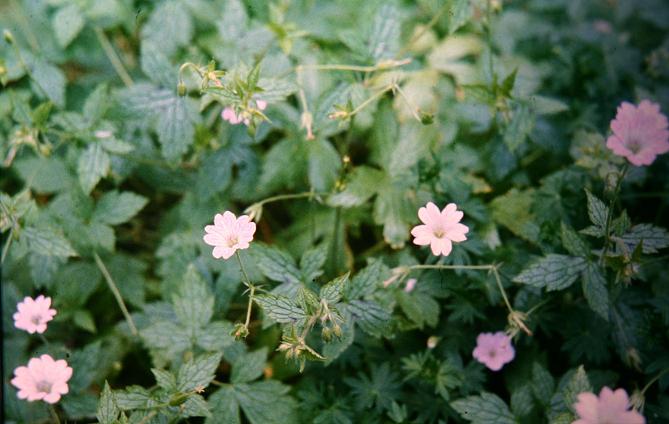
(653, 380)
(113, 57)
(609, 214)
(116, 293)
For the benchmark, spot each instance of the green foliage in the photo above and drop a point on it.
(127, 125)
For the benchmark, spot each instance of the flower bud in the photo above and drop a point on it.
(9, 38)
(178, 398)
(181, 89)
(240, 331)
(432, 342)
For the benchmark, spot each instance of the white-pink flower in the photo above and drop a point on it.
(229, 233)
(232, 117)
(639, 133)
(610, 407)
(43, 379)
(440, 228)
(494, 350)
(33, 314)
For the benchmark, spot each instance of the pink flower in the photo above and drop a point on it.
(494, 350)
(609, 407)
(440, 229)
(410, 285)
(229, 233)
(33, 314)
(232, 117)
(639, 133)
(43, 379)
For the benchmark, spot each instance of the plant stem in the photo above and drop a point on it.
(116, 293)
(356, 68)
(609, 214)
(113, 57)
(8, 243)
(248, 284)
(414, 109)
(425, 29)
(653, 380)
(54, 414)
(371, 99)
(288, 196)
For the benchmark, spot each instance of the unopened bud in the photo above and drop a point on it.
(326, 334)
(178, 398)
(336, 329)
(9, 38)
(181, 89)
(432, 342)
(240, 331)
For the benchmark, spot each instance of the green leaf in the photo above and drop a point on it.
(332, 291)
(266, 402)
(484, 409)
(514, 211)
(115, 208)
(413, 145)
(224, 407)
(459, 13)
(312, 262)
(594, 290)
(166, 337)
(96, 103)
(519, 128)
(324, 164)
(395, 208)
(133, 397)
(578, 383)
(420, 308)
(360, 187)
(82, 318)
(198, 372)
(554, 272)
(597, 211)
(193, 304)
(170, 26)
(366, 281)
(51, 79)
(337, 346)
(215, 336)
(119, 147)
(543, 384)
(370, 316)
(86, 362)
(276, 264)
(653, 238)
(165, 379)
(522, 402)
(195, 406)
(107, 412)
(44, 175)
(384, 37)
(48, 242)
(175, 129)
(67, 23)
(93, 164)
(280, 308)
(275, 90)
(248, 367)
(573, 242)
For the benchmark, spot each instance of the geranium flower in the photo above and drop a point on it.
(229, 233)
(33, 314)
(610, 407)
(232, 117)
(440, 229)
(43, 379)
(639, 133)
(494, 350)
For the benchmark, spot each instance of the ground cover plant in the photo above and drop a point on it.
(298, 211)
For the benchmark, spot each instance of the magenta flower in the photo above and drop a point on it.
(609, 407)
(440, 229)
(232, 117)
(229, 233)
(639, 133)
(33, 314)
(494, 350)
(43, 379)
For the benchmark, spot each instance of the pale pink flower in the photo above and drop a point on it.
(43, 379)
(494, 350)
(610, 407)
(639, 133)
(440, 229)
(33, 314)
(232, 117)
(229, 233)
(410, 285)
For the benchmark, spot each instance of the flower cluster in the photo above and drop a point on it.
(43, 378)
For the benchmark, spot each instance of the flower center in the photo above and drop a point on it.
(634, 146)
(36, 319)
(231, 240)
(439, 232)
(43, 386)
(492, 353)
